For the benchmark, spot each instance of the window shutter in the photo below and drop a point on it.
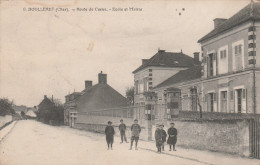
(231, 95)
(205, 98)
(216, 63)
(244, 93)
(240, 49)
(215, 96)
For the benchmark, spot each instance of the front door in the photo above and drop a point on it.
(211, 102)
(223, 100)
(239, 100)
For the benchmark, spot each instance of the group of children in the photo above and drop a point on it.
(160, 135)
(135, 130)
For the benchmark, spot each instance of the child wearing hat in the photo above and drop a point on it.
(158, 138)
(135, 130)
(172, 139)
(122, 129)
(109, 131)
(164, 136)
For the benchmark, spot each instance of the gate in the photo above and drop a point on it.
(254, 137)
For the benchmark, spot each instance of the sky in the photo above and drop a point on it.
(53, 53)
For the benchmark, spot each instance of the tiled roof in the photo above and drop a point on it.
(240, 17)
(182, 76)
(98, 97)
(168, 59)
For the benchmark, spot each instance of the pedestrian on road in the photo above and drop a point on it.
(135, 130)
(164, 136)
(172, 139)
(122, 129)
(109, 135)
(158, 138)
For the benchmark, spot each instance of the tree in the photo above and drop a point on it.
(130, 92)
(51, 110)
(6, 107)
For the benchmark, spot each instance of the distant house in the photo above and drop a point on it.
(20, 108)
(93, 98)
(44, 109)
(30, 114)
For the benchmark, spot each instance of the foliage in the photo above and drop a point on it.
(51, 111)
(6, 107)
(130, 92)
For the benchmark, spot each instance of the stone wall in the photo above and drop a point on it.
(214, 134)
(229, 136)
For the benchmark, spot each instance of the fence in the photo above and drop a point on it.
(254, 137)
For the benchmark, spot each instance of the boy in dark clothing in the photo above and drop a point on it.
(172, 132)
(158, 138)
(122, 129)
(109, 134)
(163, 137)
(135, 129)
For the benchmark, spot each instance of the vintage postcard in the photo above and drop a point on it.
(143, 82)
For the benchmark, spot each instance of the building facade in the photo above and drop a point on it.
(230, 63)
(153, 72)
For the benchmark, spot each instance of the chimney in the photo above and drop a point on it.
(45, 96)
(218, 22)
(52, 98)
(161, 51)
(144, 61)
(102, 78)
(196, 56)
(88, 84)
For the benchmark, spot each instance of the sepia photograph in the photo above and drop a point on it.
(133, 82)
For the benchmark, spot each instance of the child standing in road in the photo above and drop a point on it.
(135, 129)
(164, 136)
(109, 131)
(158, 138)
(122, 129)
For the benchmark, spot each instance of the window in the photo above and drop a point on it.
(223, 54)
(150, 74)
(238, 49)
(150, 70)
(238, 62)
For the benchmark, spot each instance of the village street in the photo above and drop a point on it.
(33, 143)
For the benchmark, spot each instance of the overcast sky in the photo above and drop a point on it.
(53, 53)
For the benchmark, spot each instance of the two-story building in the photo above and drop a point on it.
(153, 72)
(231, 74)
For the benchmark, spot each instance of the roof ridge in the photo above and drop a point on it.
(236, 19)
